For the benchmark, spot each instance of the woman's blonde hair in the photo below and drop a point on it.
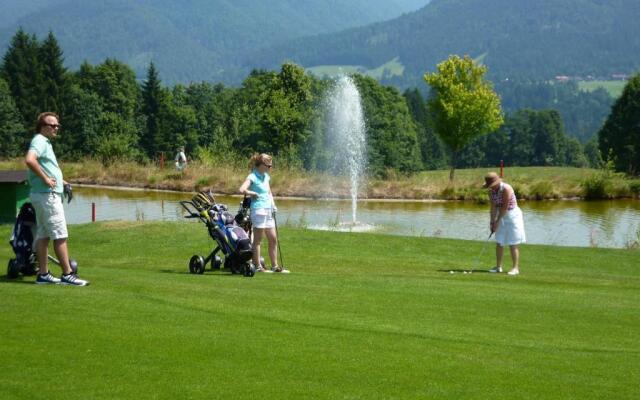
(258, 159)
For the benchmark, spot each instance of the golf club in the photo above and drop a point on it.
(72, 263)
(476, 260)
(479, 256)
(278, 237)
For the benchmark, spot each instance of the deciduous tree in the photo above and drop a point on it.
(462, 105)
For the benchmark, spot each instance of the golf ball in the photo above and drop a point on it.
(451, 272)
(465, 272)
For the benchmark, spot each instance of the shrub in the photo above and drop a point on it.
(542, 190)
(595, 186)
(202, 182)
(634, 186)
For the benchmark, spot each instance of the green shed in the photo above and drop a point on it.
(14, 192)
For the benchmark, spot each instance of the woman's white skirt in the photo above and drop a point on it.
(510, 231)
(262, 218)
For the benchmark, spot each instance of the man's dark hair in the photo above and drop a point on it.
(40, 122)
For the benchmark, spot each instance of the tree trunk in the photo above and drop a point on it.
(454, 157)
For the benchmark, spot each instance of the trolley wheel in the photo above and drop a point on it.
(29, 269)
(196, 265)
(249, 270)
(13, 269)
(217, 263)
(230, 265)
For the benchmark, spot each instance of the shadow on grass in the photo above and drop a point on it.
(207, 273)
(21, 279)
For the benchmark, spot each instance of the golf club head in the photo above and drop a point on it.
(74, 265)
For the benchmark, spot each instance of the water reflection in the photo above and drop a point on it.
(566, 223)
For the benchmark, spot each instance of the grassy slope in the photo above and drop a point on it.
(361, 316)
(613, 87)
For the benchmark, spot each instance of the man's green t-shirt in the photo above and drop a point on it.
(49, 164)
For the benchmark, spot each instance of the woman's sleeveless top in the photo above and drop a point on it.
(496, 197)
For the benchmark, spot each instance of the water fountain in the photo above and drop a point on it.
(345, 131)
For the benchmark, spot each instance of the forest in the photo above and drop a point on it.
(108, 114)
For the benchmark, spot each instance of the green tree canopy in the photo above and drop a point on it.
(431, 149)
(12, 133)
(391, 132)
(54, 76)
(462, 105)
(153, 103)
(620, 135)
(22, 70)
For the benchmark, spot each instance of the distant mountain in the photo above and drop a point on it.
(13, 10)
(187, 39)
(537, 39)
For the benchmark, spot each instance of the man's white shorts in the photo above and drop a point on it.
(262, 218)
(49, 216)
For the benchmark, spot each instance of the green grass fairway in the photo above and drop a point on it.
(361, 316)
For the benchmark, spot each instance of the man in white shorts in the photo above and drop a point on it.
(45, 178)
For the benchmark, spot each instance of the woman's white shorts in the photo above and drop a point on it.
(510, 231)
(262, 218)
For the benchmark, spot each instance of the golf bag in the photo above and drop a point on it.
(21, 242)
(231, 239)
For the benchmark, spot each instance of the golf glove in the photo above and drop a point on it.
(68, 193)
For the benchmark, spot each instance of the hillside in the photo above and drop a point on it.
(189, 40)
(515, 38)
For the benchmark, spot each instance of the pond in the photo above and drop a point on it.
(614, 223)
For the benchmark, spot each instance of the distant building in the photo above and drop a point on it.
(620, 77)
(562, 78)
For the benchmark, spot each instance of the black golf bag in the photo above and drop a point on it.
(21, 242)
(231, 239)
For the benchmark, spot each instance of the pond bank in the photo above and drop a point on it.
(536, 183)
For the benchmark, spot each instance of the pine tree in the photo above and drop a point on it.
(54, 75)
(22, 70)
(431, 149)
(12, 135)
(152, 94)
(620, 135)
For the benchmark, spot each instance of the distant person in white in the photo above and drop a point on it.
(181, 159)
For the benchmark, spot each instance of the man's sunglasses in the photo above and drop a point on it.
(54, 126)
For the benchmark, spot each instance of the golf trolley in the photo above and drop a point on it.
(228, 232)
(22, 235)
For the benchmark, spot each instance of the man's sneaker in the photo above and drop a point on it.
(263, 269)
(47, 279)
(496, 269)
(72, 279)
(278, 269)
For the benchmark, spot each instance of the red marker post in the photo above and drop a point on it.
(501, 168)
(93, 212)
